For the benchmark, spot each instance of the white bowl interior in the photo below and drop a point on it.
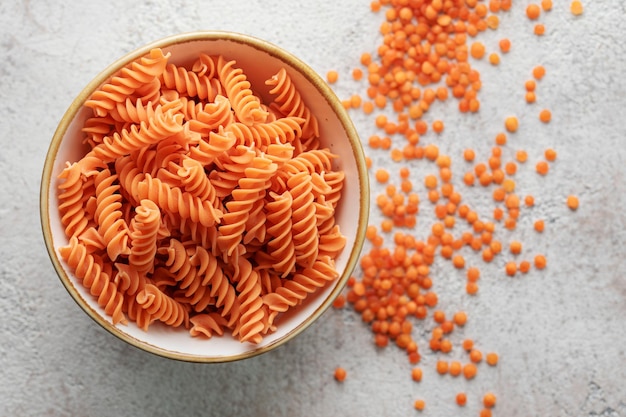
(259, 61)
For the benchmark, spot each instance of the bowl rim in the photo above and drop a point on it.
(208, 35)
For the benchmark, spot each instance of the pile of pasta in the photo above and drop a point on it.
(198, 204)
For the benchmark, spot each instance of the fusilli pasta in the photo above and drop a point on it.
(199, 204)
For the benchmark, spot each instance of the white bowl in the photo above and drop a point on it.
(259, 60)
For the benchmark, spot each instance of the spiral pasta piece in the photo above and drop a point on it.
(289, 102)
(130, 78)
(331, 243)
(205, 66)
(280, 246)
(305, 235)
(191, 231)
(220, 287)
(206, 151)
(128, 279)
(251, 190)
(90, 270)
(262, 135)
(162, 307)
(212, 116)
(335, 180)
(301, 285)
(190, 83)
(111, 224)
(195, 181)
(246, 105)
(150, 92)
(252, 317)
(174, 200)
(96, 128)
(129, 176)
(163, 125)
(206, 325)
(144, 232)
(71, 200)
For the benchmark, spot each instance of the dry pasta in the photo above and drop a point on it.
(199, 204)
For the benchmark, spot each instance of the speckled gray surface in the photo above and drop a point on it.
(560, 332)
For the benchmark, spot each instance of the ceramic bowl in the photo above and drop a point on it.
(259, 60)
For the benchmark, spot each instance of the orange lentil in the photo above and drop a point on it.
(521, 156)
(539, 29)
(458, 261)
(539, 225)
(540, 261)
(340, 301)
(491, 358)
(524, 266)
(355, 101)
(511, 123)
(421, 127)
(471, 288)
(510, 168)
(469, 155)
(576, 7)
(460, 318)
(455, 368)
(340, 374)
(489, 400)
(447, 326)
(477, 50)
(446, 346)
(367, 107)
(431, 152)
(533, 11)
(546, 5)
(538, 72)
(493, 21)
(332, 76)
(542, 167)
(485, 412)
(468, 344)
(439, 316)
(473, 274)
(381, 121)
(430, 181)
(529, 200)
(461, 399)
(416, 374)
(505, 45)
(475, 355)
(382, 175)
(530, 97)
(442, 367)
(370, 232)
(550, 154)
(469, 370)
(545, 115)
(515, 247)
(510, 268)
(438, 126)
(419, 404)
(572, 202)
(530, 85)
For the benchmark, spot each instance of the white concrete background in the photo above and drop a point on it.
(560, 332)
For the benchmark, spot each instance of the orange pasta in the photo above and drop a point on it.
(199, 204)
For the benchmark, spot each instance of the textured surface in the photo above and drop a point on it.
(560, 332)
